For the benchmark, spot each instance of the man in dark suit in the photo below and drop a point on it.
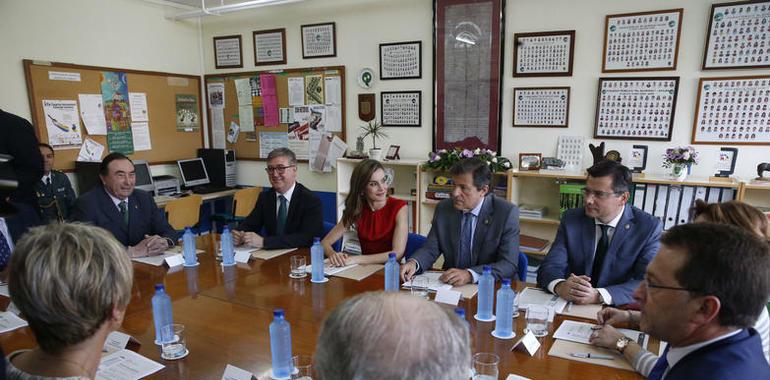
(17, 138)
(286, 216)
(471, 229)
(602, 249)
(702, 292)
(130, 214)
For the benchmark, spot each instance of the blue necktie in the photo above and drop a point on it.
(281, 216)
(5, 251)
(466, 234)
(660, 367)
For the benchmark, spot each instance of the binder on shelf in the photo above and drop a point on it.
(532, 243)
(639, 193)
(728, 194)
(713, 195)
(659, 210)
(700, 193)
(672, 208)
(570, 196)
(687, 199)
(649, 198)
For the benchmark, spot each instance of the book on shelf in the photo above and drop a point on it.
(570, 196)
(532, 211)
(532, 243)
(437, 195)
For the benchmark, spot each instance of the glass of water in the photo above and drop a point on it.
(420, 287)
(537, 320)
(173, 345)
(515, 304)
(303, 367)
(485, 366)
(298, 267)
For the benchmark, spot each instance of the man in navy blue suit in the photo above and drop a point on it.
(130, 214)
(701, 294)
(602, 249)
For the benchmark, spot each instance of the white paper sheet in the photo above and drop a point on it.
(329, 269)
(91, 151)
(218, 128)
(140, 132)
(126, 365)
(9, 322)
(160, 259)
(296, 91)
(271, 140)
(4, 291)
(117, 340)
(92, 113)
(336, 150)
(333, 90)
(232, 133)
(580, 332)
(62, 122)
(434, 284)
(534, 296)
(216, 93)
(333, 121)
(243, 91)
(137, 103)
(246, 117)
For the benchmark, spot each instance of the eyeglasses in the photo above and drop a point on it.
(648, 285)
(278, 169)
(597, 194)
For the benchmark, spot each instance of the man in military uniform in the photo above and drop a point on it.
(54, 191)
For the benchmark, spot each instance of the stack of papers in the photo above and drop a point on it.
(580, 332)
(534, 296)
(9, 322)
(126, 365)
(160, 259)
(434, 284)
(329, 269)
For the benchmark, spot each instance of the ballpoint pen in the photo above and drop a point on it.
(588, 355)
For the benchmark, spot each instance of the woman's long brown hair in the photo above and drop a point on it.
(356, 199)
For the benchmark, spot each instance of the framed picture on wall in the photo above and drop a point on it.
(642, 41)
(530, 161)
(726, 162)
(542, 54)
(227, 52)
(468, 70)
(401, 108)
(636, 108)
(733, 110)
(319, 40)
(401, 60)
(737, 36)
(270, 47)
(541, 107)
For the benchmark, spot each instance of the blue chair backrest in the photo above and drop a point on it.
(413, 243)
(523, 262)
(337, 244)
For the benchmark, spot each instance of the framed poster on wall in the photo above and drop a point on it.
(643, 41)
(636, 108)
(401, 108)
(467, 46)
(228, 53)
(269, 47)
(733, 110)
(319, 40)
(541, 107)
(401, 60)
(738, 36)
(542, 54)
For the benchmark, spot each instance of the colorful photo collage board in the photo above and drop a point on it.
(729, 110)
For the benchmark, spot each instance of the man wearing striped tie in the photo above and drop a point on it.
(130, 214)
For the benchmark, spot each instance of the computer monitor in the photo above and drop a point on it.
(143, 176)
(193, 172)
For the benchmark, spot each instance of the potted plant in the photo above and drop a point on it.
(376, 130)
(680, 160)
(443, 159)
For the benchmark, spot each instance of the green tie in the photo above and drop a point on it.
(124, 211)
(281, 215)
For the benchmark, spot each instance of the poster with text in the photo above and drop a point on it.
(187, 118)
(116, 112)
(62, 123)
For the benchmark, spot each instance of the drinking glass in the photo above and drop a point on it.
(298, 267)
(537, 320)
(485, 366)
(173, 345)
(420, 287)
(303, 367)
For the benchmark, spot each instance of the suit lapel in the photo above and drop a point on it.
(625, 224)
(589, 243)
(293, 204)
(482, 226)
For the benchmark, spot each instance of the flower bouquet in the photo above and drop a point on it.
(443, 159)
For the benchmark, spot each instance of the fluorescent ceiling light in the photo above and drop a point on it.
(229, 8)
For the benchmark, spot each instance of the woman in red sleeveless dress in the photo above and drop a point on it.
(380, 221)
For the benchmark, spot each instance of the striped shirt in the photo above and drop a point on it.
(645, 360)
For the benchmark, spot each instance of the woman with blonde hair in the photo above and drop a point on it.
(380, 221)
(733, 212)
(72, 283)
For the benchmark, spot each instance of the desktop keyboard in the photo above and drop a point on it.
(208, 189)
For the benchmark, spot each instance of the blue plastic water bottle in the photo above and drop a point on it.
(161, 311)
(188, 245)
(504, 310)
(486, 295)
(317, 261)
(228, 252)
(391, 273)
(280, 345)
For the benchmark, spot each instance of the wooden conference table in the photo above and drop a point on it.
(226, 314)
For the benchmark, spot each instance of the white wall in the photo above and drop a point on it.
(362, 25)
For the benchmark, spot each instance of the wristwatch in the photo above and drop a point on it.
(622, 343)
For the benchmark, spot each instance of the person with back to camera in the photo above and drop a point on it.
(70, 326)
(380, 220)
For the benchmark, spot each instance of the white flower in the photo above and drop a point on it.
(494, 159)
(686, 155)
(477, 151)
(507, 164)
